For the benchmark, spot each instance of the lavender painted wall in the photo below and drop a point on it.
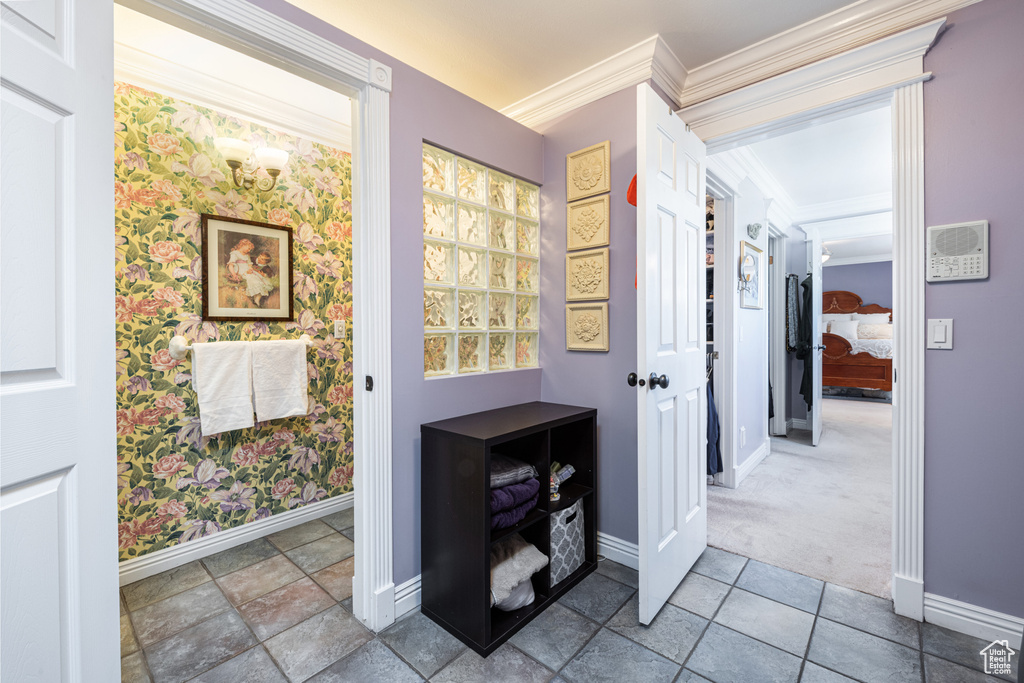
(425, 109)
(584, 378)
(871, 281)
(974, 461)
(796, 263)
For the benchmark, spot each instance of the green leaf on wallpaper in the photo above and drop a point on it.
(157, 275)
(147, 336)
(146, 113)
(135, 478)
(150, 444)
(133, 365)
(130, 139)
(162, 492)
(162, 385)
(147, 224)
(164, 450)
(132, 252)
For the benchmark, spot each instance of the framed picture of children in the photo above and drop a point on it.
(247, 270)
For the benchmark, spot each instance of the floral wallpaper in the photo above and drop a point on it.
(173, 485)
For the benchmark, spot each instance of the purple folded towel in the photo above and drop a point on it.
(513, 495)
(507, 518)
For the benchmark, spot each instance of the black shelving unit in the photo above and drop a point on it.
(455, 520)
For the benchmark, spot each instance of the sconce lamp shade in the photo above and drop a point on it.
(234, 151)
(825, 253)
(271, 159)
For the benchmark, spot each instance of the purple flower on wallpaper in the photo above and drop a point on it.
(347, 367)
(194, 329)
(346, 206)
(303, 285)
(261, 513)
(122, 367)
(260, 328)
(134, 160)
(197, 528)
(192, 122)
(137, 384)
(206, 474)
(123, 480)
(201, 168)
(183, 377)
(327, 264)
(136, 273)
(119, 242)
(308, 237)
(191, 433)
(231, 204)
(139, 494)
(304, 459)
(307, 322)
(330, 349)
(310, 493)
(311, 372)
(192, 272)
(315, 412)
(330, 431)
(346, 287)
(235, 498)
(349, 448)
(301, 198)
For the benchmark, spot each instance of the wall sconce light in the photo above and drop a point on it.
(825, 253)
(245, 162)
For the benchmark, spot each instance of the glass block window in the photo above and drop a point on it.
(481, 267)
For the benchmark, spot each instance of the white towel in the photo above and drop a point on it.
(279, 379)
(222, 378)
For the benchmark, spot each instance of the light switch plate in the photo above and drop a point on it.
(940, 333)
(339, 329)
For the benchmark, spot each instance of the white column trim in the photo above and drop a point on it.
(247, 28)
(908, 350)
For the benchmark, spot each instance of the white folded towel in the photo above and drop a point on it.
(222, 378)
(279, 379)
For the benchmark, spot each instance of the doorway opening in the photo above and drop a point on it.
(806, 480)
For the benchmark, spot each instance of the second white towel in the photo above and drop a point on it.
(280, 384)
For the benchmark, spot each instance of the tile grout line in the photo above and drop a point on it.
(700, 638)
(810, 636)
(141, 650)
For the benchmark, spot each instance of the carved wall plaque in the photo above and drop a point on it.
(586, 275)
(587, 223)
(588, 172)
(586, 327)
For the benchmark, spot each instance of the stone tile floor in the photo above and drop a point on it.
(279, 609)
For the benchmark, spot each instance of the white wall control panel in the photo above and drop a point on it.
(940, 333)
(958, 252)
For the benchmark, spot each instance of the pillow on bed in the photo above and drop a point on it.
(830, 317)
(844, 328)
(874, 331)
(871, 318)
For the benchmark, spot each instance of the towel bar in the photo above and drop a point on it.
(179, 346)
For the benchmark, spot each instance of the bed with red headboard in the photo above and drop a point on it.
(844, 363)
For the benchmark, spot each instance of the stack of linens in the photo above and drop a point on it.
(513, 562)
(514, 491)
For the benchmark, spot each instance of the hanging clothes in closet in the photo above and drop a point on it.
(714, 437)
(805, 345)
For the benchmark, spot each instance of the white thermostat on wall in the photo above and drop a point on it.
(958, 252)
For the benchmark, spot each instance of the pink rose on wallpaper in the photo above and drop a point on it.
(122, 195)
(169, 465)
(124, 424)
(162, 361)
(165, 252)
(149, 417)
(147, 307)
(284, 436)
(340, 394)
(339, 312)
(129, 532)
(339, 231)
(279, 216)
(170, 295)
(146, 197)
(340, 476)
(171, 403)
(249, 454)
(164, 144)
(282, 489)
(173, 509)
(124, 307)
(167, 189)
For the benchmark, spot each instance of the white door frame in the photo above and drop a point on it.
(777, 328)
(249, 29)
(890, 69)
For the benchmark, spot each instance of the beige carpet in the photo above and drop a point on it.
(823, 511)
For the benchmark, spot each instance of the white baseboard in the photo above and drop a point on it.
(617, 550)
(973, 620)
(408, 596)
(796, 423)
(753, 461)
(908, 597)
(137, 568)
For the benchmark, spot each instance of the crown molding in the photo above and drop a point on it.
(137, 67)
(732, 166)
(650, 59)
(864, 72)
(856, 260)
(844, 208)
(845, 29)
(872, 225)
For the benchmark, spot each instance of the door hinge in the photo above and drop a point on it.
(771, 260)
(369, 383)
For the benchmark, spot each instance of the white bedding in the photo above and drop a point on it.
(879, 348)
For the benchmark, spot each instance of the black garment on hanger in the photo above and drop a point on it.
(771, 402)
(714, 438)
(804, 344)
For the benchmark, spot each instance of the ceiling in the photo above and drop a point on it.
(500, 52)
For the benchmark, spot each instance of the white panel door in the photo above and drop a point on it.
(672, 422)
(817, 348)
(58, 497)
